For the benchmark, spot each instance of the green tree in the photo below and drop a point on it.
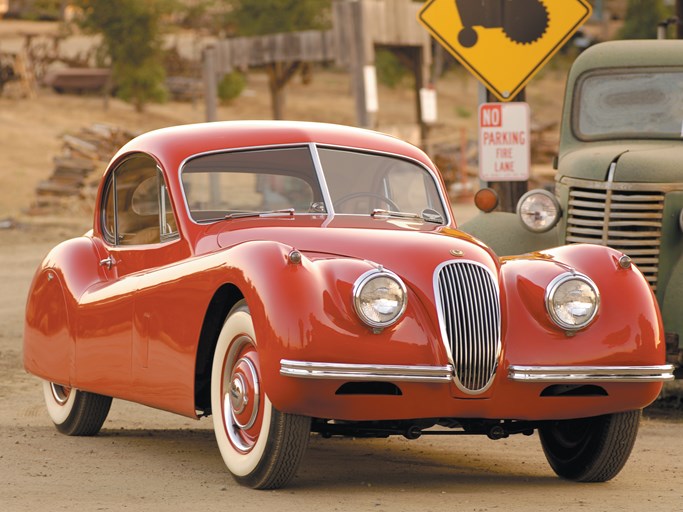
(390, 69)
(132, 38)
(231, 86)
(642, 18)
(263, 17)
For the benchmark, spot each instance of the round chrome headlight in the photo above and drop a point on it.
(572, 301)
(538, 210)
(380, 298)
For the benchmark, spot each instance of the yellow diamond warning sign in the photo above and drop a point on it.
(503, 42)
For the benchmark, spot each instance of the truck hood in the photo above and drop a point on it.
(636, 161)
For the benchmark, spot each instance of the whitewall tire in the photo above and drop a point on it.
(74, 412)
(261, 446)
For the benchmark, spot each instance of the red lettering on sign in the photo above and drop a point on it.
(504, 138)
(491, 116)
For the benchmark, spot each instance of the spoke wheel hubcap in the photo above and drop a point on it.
(242, 409)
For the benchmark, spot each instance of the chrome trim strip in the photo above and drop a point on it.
(610, 173)
(365, 372)
(327, 198)
(581, 374)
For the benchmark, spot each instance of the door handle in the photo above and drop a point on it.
(108, 262)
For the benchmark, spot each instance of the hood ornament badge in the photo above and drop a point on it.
(457, 253)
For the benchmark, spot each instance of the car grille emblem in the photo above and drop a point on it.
(457, 253)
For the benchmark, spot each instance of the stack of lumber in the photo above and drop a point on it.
(72, 186)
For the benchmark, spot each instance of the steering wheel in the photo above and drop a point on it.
(392, 206)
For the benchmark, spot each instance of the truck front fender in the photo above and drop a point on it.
(672, 303)
(505, 234)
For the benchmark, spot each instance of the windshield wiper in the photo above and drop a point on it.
(239, 215)
(428, 215)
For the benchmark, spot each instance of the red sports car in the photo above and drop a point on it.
(289, 278)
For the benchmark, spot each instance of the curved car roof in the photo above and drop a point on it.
(173, 145)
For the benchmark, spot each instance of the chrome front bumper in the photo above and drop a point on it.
(442, 374)
(586, 374)
(366, 372)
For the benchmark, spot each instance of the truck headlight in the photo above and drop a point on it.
(572, 301)
(380, 298)
(538, 210)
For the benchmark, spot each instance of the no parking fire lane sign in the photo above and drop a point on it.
(503, 42)
(504, 146)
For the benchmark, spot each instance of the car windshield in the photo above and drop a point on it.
(360, 183)
(221, 185)
(236, 184)
(645, 103)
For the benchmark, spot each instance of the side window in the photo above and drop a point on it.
(136, 207)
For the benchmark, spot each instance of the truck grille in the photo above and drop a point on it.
(622, 217)
(470, 322)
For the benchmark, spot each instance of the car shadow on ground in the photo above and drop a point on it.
(346, 463)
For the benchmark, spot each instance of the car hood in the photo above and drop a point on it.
(636, 161)
(398, 245)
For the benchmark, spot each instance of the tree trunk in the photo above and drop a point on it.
(279, 74)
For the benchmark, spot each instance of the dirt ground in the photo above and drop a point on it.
(151, 460)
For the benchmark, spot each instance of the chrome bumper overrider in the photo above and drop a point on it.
(582, 374)
(365, 372)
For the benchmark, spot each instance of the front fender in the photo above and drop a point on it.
(304, 312)
(626, 331)
(505, 234)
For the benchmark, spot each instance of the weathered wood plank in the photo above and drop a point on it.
(306, 46)
(385, 22)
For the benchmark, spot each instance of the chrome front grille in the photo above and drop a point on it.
(622, 216)
(467, 295)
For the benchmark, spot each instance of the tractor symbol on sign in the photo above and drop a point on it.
(522, 21)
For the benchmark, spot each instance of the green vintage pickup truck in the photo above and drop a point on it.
(619, 178)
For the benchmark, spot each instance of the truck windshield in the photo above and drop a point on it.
(630, 103)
